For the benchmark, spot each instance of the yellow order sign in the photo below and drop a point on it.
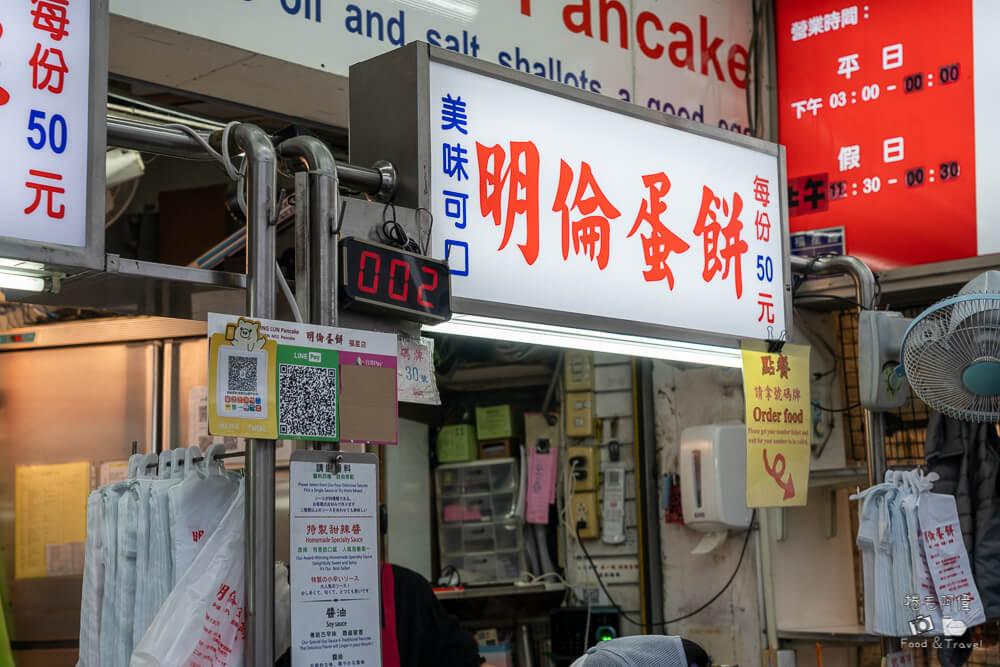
(779, 423)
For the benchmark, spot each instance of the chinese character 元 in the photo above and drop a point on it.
(766, 303)
(520, 175)
(50, 190)
(48, 69)
(51, 16)
(708, 227)
(455, 158)
(761, 191)
(892, 149)
(455, 207)
(892, 56)
(847, 65)
(763, 226)
(849, 157)
(453, 114)
(591, 232)
(656, 247)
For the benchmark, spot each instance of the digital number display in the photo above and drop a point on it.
(378, 277)
(877, 120)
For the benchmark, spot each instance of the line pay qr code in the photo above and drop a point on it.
(307, 401)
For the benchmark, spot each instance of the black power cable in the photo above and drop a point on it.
(600, 581)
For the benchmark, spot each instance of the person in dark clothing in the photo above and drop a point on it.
(416, 630)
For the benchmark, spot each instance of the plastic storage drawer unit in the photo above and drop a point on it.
(479, 534)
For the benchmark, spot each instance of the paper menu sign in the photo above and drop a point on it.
(335, 576)
(50, 516)
(779, 424)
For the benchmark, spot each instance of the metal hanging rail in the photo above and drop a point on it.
(152, 138)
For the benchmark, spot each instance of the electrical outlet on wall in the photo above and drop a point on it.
(583, 507)
(585, 470)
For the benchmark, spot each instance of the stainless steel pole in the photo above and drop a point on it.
(864, 281)
(259, 545)
(312, 156)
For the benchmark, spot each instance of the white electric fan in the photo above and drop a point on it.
(949, 354)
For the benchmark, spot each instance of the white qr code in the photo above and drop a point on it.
(241, 373)
(307, 401)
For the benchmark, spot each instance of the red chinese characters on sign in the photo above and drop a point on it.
(723, 245)
(656, 247)
(51, 16)
(48, 69)
(520, 176)
(592, 232)
(48, 74)
(49, 190)
(4, 95)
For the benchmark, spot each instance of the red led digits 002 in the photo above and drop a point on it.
(377, 277)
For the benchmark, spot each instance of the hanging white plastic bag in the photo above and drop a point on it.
(921, 600)
(948, 560)
(202, 622)
(282, 610)
(93, 585)
(161, 571)
(109, 519)
(195, 505)
(143, 615)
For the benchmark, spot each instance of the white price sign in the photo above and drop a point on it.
(415, 378)
(334, 559)
(580, 206)
(47, 74)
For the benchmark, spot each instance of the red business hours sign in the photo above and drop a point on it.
(876, 112)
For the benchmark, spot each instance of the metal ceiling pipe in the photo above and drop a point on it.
(313, 157)
(261, 186)
(379, 180)
(151, 138)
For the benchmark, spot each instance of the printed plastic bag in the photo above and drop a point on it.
(194, 507)
(941, 535)
(202, 622)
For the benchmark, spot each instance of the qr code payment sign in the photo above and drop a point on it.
(307, 401)
(241, 390)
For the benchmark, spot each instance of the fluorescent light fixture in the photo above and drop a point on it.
(20, 264)
(24, 283)
(584, 339)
